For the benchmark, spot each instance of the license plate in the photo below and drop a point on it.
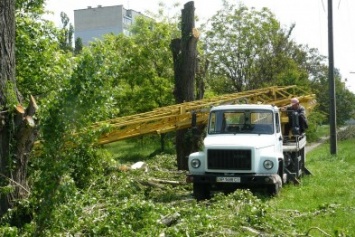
(228, 179)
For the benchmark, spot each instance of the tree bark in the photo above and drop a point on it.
(17, 126)
(201, 72)
(184, 52)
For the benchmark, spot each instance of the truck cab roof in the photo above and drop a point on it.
(245, 107)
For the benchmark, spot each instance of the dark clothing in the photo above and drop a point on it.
(301, 125)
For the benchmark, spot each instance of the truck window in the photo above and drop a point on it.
(212, 123)
(241, 121)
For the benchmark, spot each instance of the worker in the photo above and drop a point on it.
(302, 119)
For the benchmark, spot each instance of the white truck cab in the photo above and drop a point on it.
(244, 148)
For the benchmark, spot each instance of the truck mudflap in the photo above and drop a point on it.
(245, 179)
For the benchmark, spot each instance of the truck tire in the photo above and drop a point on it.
(201, 191)
(274, 189)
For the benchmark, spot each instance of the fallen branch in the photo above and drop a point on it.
(316, 228)
(16, 183)
(166, 181)
(251, 230)
(168, 220)
(170, 171)
(151, 184)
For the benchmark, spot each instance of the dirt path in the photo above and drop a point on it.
(311, 146)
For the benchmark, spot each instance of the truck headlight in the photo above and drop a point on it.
(268, 164)
(195, 163)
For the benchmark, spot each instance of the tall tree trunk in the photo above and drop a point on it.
(185, 55)
(17, 127)
(201, 67)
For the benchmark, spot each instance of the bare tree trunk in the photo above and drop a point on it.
(17, 127)
(200, 75)
(185, 56)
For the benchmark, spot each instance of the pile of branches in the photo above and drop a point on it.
(347, 133)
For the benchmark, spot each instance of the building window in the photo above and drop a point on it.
(127, 21)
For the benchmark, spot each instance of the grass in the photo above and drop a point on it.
(325, 201)
(138, 149)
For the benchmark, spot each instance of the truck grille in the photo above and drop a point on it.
(229, 159)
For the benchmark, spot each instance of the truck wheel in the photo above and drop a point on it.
(274, 189)
(201, 191)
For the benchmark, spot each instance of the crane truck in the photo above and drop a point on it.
(245, 147)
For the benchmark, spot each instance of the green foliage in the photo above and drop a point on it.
(115, 69)
(345, 99)
(66, 164)
(134, 203)
(148, 69)
(35, 7)
(138, 69)
(66, 33)
(41, 68)
(73, 93)
(248, 49)
(9, 231)
(92, 87)
(345, 103)
(78, 46)
(315, 121)
(67, 160)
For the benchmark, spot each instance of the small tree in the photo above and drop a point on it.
(66, 37)
(78, 45)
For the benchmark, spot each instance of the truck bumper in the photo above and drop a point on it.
(237, 179)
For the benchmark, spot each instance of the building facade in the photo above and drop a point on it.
(92, 23)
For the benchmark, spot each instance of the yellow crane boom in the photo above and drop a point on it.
(175, 117)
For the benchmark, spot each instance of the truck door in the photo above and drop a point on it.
(278, 133)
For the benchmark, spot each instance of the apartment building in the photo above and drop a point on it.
(92, 23)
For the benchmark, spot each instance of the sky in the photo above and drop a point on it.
(309, 16)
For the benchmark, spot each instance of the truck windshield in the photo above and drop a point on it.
(246, 121)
